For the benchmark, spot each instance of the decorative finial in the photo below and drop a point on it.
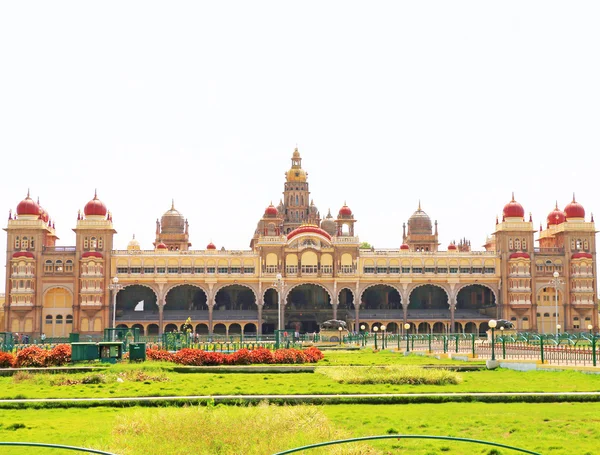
(95, 193)
(10, 214)
(530, 218)
(38, 200)
(496, 219)
(172, 204)
(556, 206)
(540, 227)
(573, 196)
(592, 220)
(419, 209)
(27, 193)
(133, 237)
(513, 197)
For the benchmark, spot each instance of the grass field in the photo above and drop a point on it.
(557, 429)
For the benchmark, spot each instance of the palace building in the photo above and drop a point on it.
(301, 267)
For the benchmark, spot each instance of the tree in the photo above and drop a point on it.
(365, 246)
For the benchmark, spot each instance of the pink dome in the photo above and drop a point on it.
(513, 209)
(95, 207)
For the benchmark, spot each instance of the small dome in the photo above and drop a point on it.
(452, 247)
(172, 222)
(513, 209)
(296, 175)
(271, 211)
(211, 246)
(328, 225)
(43, 213)
(296, 153)
(161, 246)
(28, 207)
(404, 247)
(344, 211)
(95, 207)
(574, 210)
(419, 223)
(556, 216)
(133, 244)
(313, 208)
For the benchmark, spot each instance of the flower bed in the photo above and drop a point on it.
(197, 357)
(34, 356)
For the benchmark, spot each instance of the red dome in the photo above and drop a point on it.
(23, 254)
(211, 246)
(574, 210)
(452, 246)
(582, 255)
(161, 246)
(513, 209)
(345, 211)
(95, 207)
(404, 246)
(556, 216)
(306, 229)
(92, 254)
(519, 255)
(28, 207)
(271, 210)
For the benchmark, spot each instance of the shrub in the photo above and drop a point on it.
(31, 356)
(288, 356)
(157, 354)
(59, 355)
(261, 355)
(189, 356)
(7, 360)
(313, 354)
(241, 357)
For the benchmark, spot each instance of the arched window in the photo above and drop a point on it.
(58, 266)
(69, 266)
(69, 319)
(100, 243)
(93, 243)
(49, 319)
(59, 319)
(17, 243)
(24, 243)
(85, 243)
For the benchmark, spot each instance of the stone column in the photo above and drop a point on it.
(452, 308)
(161, 304)
(211, 304)
(259, 320)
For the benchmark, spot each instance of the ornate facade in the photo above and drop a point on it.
(316, 265)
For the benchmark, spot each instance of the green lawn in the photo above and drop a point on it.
(148, 381)
(557, 429)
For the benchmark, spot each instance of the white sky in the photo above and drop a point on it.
(453, 103)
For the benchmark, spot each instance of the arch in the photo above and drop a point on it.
(435, 303)
(219, 329)
(57, 303)
(170, 288)
(470, 327)
(171, 328)
(235, 329)
(201, 329)
(141, 327)
(220, 288)
(475, 300)
(375, 303)
(345, 299)
(424, 327)
(185, 297)
(128, 303)
(485, 285)
(392, 327)
(307, 306)
(152, 330)
(438, 327)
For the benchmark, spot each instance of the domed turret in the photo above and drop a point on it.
(419, 223)
(574, 210)
(44, 216)
(556, 216)
(133, 244)
(452, 247)
(211, 246)
(404, 247)
(328, 225)
(172, 222)
(513, 209)
(296, 173)
(345, 212)
(161, 246)
(271, 211)
(28, 207)
(95, 207)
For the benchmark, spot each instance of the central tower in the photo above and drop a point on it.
(297, 207)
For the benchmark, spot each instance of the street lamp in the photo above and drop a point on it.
(406, 327)
(115, 287)
(340, 330)
(279, 286)
(492, 324)
(590, 327)
(364, 334)
(383, 327)
(375, 329)
(556, 282)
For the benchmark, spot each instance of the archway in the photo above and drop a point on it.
(250, 329)
(235, 329)
(136, 303)
(219, 329)
(307, 307)
(58, 306)
(235, 298)
(152, 330)
(170, 328)
(140, 327)
(475, 301)
(185, 301)
(382, 297)
(392, 327)
(428, 302)
(270, 311)
(547, 313)
(439, 327)
(202, 329)
(424, 327)
(470, 327)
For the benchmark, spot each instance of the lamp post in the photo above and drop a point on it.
(493, 323)
(383, 327)
(503, 343)
(375, 329)
(556, 282)
(590, 327)
(115, 287)
(340, 330)
(593, 340)
(364, 335)
(406, 328)
(279, 286)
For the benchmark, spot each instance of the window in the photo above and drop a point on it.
(489, 270)
(59, 319)
(525, 318)
(453, 269)
(85, 243)
(465, 270)
(236, 270)
(69, 319)
(69, 266)
(186, 270)
(324, 269)
(48, 266)
(49, 319)
(417, 270)
(477, 270)
(17, 243)
(33, 248)
(93, 243)
(347, 269)
(546, 315)
(161, 269)
(251, 269)
(442, 270)
(100, 243)
(135, 270)
(149, 270)
(394, 269)
(198, 269)
(405, 269)
(172, 269)
(58, 266)
(382, 270)
(222, 270)
(122, 270)
(24, 243)
(309, 269)
(429, 270)
(210, 270)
